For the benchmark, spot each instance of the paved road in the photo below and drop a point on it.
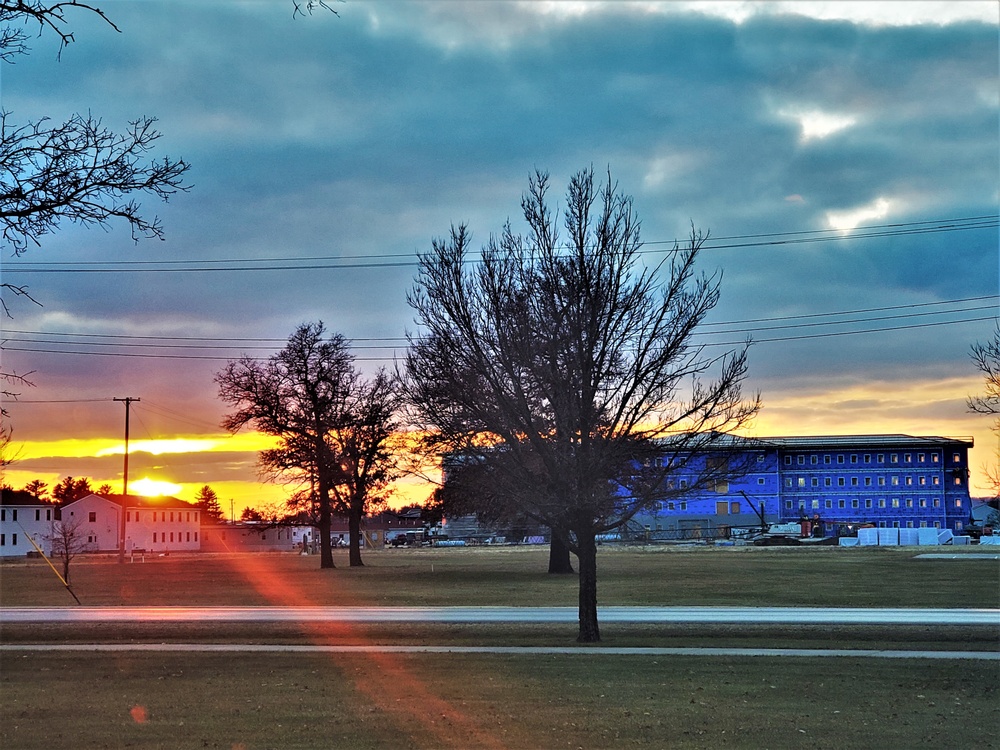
(588, 650)
(717, 615)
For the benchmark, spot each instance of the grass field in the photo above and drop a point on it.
(423, 701)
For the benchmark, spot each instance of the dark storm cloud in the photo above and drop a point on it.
(369, 134)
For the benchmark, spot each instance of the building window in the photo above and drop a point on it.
(920, 458)
(189, 536)
(909, 502)
(959, 526)
(13, 540)
(923, 502)
(880, 458)
(814, 482)
(826, 460)
(3, 540)
(868, 458)
(670, 506)
(788, 504)
(171, 521)
(956, 458)
(935, 480)
(3, 514)
(814, 460)
(868, 503)
(760, 480)
(923, 524)
(958, 480)
(937, 524)
(841, 504)
(840, 481)
(895, 481)
(788, 460)
(909, 481)
(196, 536)
(923, 481)
(92, 516)
(840, 458)
(802, 481)
(868, 481)
(854, 481)
(828, 504)
(854, 458)
(734, 508)
(854, 503)
(13, 514)
(815, 504)
(788, 481)
(958, 502)
(171, 536)
(895, 502)
(908, 457)
(881, 481)
(894, 458)
(800, 460)
(154, 537)
(934, 458)
(937, 502)
(827, 482)
(684, 506)
(881, 502)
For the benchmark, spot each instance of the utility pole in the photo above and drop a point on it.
(128, 400)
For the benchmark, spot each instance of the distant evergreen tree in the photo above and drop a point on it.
(208, 501)
(70, 489)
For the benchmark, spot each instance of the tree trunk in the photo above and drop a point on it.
(587, 555)
(559, 559)
(354, 532)
(325, 524)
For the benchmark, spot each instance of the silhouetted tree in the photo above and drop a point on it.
(208, 501)
(70, 489)
(561, 363)
(37, 488)
(333, 426)
(986, 357)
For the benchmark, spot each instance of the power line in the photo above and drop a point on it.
(326, 262)
(389, 359)
(402, 340)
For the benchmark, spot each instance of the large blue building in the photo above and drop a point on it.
(890, 481)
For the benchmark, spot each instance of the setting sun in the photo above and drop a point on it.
(153, 487)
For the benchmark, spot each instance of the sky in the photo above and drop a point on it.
(842, 156)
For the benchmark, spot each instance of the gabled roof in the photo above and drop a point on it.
(141, 501)
(21, 498)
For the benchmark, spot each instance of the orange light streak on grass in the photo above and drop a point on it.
(383, 678)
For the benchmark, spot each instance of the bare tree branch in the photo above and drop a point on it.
(81, 172)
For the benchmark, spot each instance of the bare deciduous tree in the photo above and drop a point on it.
(562, 363)
(68, 540)
(334, 427)
(987, 360)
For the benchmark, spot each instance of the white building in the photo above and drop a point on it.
(152, 524)
(22, 515)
